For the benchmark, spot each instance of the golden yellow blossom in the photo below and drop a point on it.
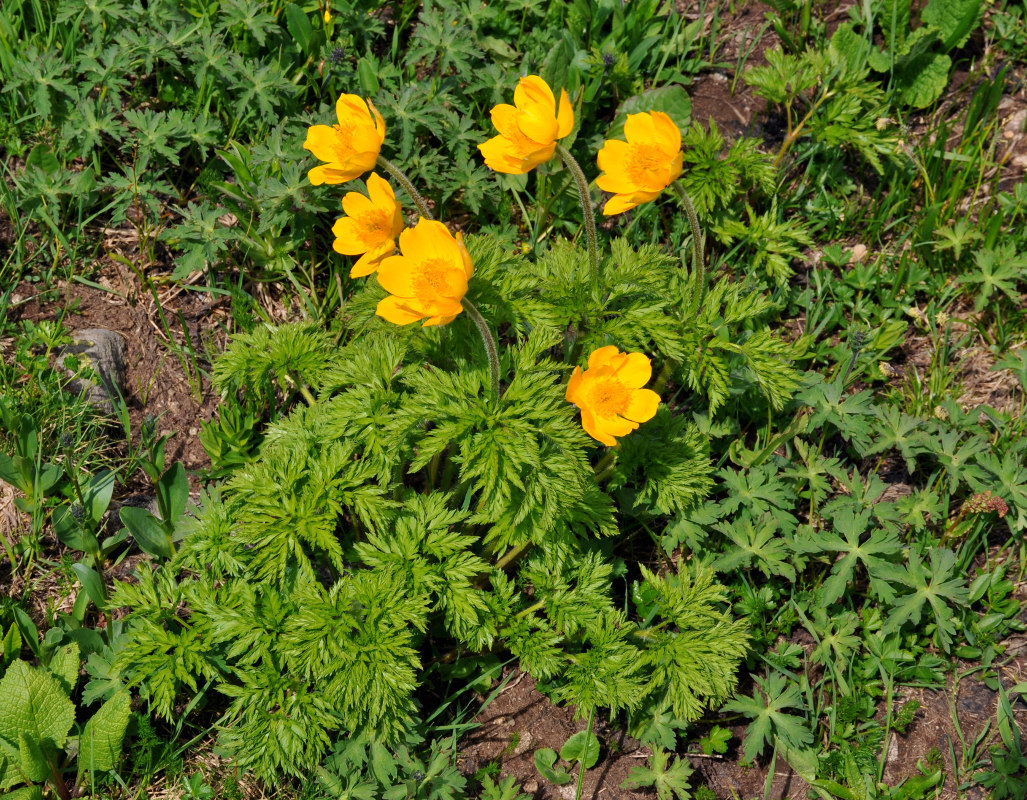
(371, 226)
(636, 171)
(351, 147)
(429, 279)
(528, 130)
(610, 394)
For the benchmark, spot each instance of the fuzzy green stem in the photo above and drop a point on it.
(698, 246)
(511, 555)
(586, 207)
(405, 182)
(605, 465)
(489, 340)
(584, 753)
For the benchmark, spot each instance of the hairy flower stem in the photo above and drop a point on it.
(491, 350)
(406, 183)
(605, 465)
(584, 752)
(586, 207)
(698, 245)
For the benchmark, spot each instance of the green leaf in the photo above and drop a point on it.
(299, 27)
(34, 762)
(97, 494)
(147, 531)
(545, 763)
(173, 491)
(671, 100)
(25, 793)
(582, 746)
(953, 19)
(92, 583)
(100, 742)
(669, 782)
(11, 645)
(64, 664)
(769, 717)
(34, 704)
(70, 531)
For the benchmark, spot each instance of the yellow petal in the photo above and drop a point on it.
(465, 257)
(615, 426)
(397, 312)
(380, 192)
(668, 136)
(634, 370)
(331, 174)
(532, 160)
(590, 423)
(347, 237)
(501, 156)
(352, 110)
(396, 275)
(369, 262)
(640, 129)
(442, 320)
(573, 387)
(532, 89)
(614, 156)
(504, 117)
(602, 356)
(379, 123)
(322, 141)
(565, 116)
(538, 124)
(355, 204)
(642, 406)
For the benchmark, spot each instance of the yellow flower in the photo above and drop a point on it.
(429, 279)
(371, 227)
(528, 130)
(328, 15)
(610, 394)
(636, 171)
(351, 147)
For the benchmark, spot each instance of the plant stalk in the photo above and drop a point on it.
(586, 207)
(584, 753)
(489, 340)
(406, 183)
(698, 245)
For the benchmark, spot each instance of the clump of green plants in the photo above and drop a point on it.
(435, 492)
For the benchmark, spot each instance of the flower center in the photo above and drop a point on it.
(609, 397)
(433, 278)
(645, 159)
(375, 227)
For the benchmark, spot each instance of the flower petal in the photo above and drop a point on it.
(532, 89)
(590, 423)
(668, 136)
(634, 370)
(642, 406)
(347, 237)
(397, 312)
(603, 356)
(640, 129)
(501, 156)
(565, 116)
(322, 141)
(380, 191)
(355, 204)
(574, 387)
(396, 275)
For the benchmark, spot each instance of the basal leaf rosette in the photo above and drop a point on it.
(428, 279)
(610, 394)
(350, 147)
(370, 227)
(528, 129)
(636, 171)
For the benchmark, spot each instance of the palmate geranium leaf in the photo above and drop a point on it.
(897, 431)
(756, 543)
(768, 712)
(1010, 482)
(939, 587)
(875, 553)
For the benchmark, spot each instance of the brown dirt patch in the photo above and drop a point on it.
(158, 383)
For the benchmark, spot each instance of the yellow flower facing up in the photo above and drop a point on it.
(610, 394)
(636, 171)
(528, 129)
(351, 147)
(371, 226)
(429, 279)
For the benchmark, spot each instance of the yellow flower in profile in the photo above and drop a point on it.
(429, 279)
(528, 129)
(371, 227)
(351, 147)
(610, 394)
(636, 171)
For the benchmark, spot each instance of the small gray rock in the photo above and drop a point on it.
(105, 352)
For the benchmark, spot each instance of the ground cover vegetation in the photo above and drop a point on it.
(523, 367)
